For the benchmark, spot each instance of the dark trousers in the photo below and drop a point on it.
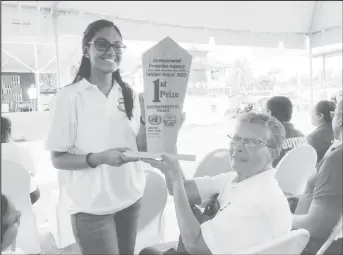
(107, 234)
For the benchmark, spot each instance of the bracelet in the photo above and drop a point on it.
(87, 161)
(142, 121)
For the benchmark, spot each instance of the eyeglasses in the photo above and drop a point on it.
(104, 46)
(247, 142)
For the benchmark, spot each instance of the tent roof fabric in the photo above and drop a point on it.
(253, 23)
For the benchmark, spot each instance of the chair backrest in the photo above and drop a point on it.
(154, 198)
(295, 168)
(216, 162)
(293, 243)
(15, 183)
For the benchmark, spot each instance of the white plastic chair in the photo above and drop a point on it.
(59, 223)
(150, 224)
(293, 243)
(216, 162)
(15, 183)
(295, 168)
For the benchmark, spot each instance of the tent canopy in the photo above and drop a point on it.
(258, 23)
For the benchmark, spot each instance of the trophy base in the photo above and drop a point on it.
(151, 155)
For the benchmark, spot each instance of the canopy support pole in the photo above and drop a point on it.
(310, 30)
(37, 78)
(57, 51)
(324, 69)
(311, 71)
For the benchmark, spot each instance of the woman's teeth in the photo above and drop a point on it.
(110, 60)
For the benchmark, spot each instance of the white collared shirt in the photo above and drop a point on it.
(253, 212)
(83, 120)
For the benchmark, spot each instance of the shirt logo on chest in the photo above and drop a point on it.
(121, 105)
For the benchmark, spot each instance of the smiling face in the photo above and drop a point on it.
(253, 155)
(106, 61)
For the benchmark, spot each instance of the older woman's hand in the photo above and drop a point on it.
(170, 167)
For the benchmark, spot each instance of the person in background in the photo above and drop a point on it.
(320, 207)
(10, 220)
(249, 208)
(94, 121)
(322, 137)
(281, 108)
(11, 151)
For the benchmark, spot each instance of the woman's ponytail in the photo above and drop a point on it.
(127, 93)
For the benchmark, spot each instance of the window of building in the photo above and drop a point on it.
(18, 97)
(16, 80)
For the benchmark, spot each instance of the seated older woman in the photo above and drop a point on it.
(322, 137)
(251, 208)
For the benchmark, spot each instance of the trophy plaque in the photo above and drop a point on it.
(166, 69)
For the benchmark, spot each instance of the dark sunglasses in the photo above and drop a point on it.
(104, 46)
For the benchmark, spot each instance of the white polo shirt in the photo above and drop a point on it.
(84, 120)
(253, 212)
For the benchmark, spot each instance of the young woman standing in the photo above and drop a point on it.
(93, 121)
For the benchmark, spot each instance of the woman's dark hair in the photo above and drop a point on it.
(325, 107)
(4, 210)
(85, 65)
(281, 108)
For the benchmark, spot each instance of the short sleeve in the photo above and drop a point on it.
(136, 112)
(62, 123)
(208, 186)
(328, 186)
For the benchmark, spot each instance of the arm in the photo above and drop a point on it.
(67, 161)
(319, 221)
(305, 199)
(190, 187)
(189, 226)
(326, 207)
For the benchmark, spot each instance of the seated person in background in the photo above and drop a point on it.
(322, 137)
(320, 207)
(10, 220)
(251, 209)
(281, 108)
(12, 151)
